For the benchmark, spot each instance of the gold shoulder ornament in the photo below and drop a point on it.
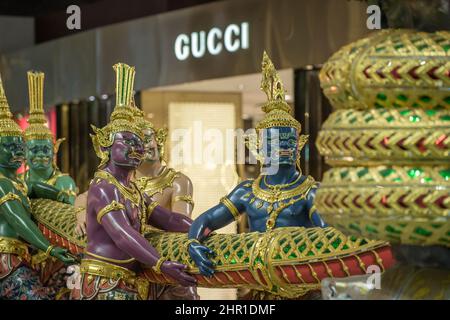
(9, 197)
(113, 206)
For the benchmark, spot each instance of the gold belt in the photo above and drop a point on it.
(14, 246)
(111, 271)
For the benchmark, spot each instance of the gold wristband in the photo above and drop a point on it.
(157, 266)
(8, 197)
(231, 207)
(188, 243)
(113, 206)
(151, 207)
(49, 250)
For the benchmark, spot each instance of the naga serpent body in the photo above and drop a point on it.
(288, 262)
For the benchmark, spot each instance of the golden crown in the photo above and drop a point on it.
(8, 127)
(123, 118)
(37, 120)
(276, 108)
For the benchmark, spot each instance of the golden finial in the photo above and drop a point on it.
(37, 129)
(124, 84)
(276, 108)
(8, 127)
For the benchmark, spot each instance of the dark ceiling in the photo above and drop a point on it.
(34, 8)
(50, 15)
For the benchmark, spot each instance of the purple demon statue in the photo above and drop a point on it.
(118, 213)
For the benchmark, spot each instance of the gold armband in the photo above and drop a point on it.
(186, 198)
(231, 207)
(157, 266)
(69, 192)
(151, 207)
(113, 206)
(8, 197)
(49, 250)
(311, 211)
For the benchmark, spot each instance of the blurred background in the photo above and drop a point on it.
(197, 68)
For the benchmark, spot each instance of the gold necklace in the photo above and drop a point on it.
(280, 186)
(153, 185)
(276, 195)
(131, 194)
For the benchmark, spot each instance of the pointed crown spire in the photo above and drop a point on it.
(8, 127)
(37, 130)
(276, 108)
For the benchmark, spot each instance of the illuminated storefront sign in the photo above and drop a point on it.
(233, 38)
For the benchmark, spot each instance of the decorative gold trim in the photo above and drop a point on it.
(159, 263)
(113, 206)
(13, 246)
(9, 197)
(153, 185)
(408, 135)
(49, 250)
(151, 207)
(231, 207)
(131, 193)
(115, 273)
(402, 65)
(185, 198)
(190, 241)
(275, 195)
(311, 211)
(110, 259)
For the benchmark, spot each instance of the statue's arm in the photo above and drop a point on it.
(182, 195)
(314, 215)
(66, 184)
(13, 211)
(116, 223)
(80, 204)
(167, 220)
(46, 191)
(221, 215)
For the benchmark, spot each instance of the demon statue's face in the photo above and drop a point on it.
(12, 152)
(150, 146)
(40, 154)
(279, 146)
(127, 150)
